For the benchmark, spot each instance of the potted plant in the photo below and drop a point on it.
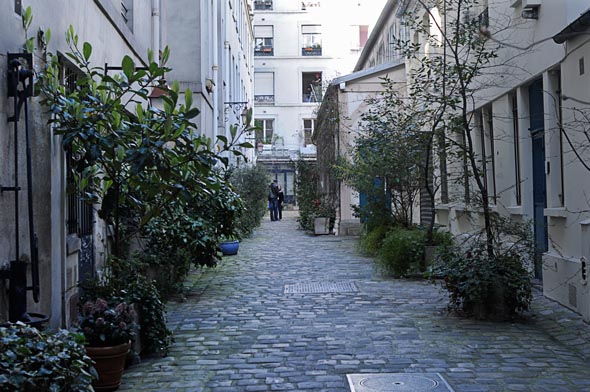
(31, 360)
(108, 331)
(229, 245)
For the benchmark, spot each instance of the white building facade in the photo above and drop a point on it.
(530, 128)
(212, 54)
(299, 48)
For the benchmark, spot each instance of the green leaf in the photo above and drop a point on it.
(188, 98)
(139, 112)
(27, 17)
(120, 153)
(176, 86)
(128, 66)
(165, 55)
(87, 50)
(30, 45)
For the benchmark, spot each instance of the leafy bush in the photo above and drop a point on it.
(34, 361)
(105, 324)
(402, 249)
(251, 183)
(312, 204)
(371, 242)
(485, 287)
(124, 282)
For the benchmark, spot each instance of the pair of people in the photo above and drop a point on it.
(276, 197)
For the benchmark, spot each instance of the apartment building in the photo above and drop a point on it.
(299, 48)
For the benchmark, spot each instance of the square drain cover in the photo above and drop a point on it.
(320, 287)
(397, 382)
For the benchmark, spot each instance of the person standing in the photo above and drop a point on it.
(280, 199)
(273, 201)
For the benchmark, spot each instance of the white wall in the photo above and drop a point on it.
(99, 23)
(338, 57)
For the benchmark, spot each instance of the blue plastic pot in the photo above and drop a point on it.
(229, 248)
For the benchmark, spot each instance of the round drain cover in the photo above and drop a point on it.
(398, 383)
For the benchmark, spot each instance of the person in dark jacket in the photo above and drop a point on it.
(273, 201)
(281, 199)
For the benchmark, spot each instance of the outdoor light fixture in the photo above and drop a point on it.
(530, 13)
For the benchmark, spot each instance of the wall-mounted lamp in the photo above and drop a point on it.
(209, 85)
(530, 13)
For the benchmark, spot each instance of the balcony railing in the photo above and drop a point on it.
(311, 51)
(264, 51)
(263, 4)
(264, 99)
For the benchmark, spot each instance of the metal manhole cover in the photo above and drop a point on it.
(397, 382)
(320, 287)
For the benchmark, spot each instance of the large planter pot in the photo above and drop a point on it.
(109, 364)
(229, 248)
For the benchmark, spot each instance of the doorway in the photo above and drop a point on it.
(537, 129)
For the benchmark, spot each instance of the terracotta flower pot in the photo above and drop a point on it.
(109, 364)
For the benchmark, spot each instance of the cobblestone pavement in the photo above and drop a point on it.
(239, 331)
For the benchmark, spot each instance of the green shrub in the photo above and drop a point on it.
(484, 287)
(401, 250)
(372, 240)
(490, 282)
(35, 361)
(251, 183)
(124, 282)
(312, 203)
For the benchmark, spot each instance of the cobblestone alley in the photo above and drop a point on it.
(248, 325)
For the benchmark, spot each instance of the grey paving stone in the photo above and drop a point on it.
(238, 331)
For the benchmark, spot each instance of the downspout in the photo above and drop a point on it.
(156, 30)
(215, 67)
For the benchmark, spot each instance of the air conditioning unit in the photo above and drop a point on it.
(530, 9)
(530, 4)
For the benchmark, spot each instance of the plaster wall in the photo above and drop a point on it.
(568, 223)
(94, 21)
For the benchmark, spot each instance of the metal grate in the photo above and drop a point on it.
(398, 382)
(320, 287)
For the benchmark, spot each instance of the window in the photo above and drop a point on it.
(516, 140)
(265, 130)
(127, 13)
(492, 149)
(263, 4)
(312, 86)
(79, 214)
(308, 127)
(263, 41)
(311, 40)
(486, 145)
(358, 36)
(264, 87)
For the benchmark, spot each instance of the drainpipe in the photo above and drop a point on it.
(156, 30)
(215, 68)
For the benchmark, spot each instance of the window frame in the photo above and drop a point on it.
(264, 99)
(260, 133)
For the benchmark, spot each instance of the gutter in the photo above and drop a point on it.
(574, 29)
